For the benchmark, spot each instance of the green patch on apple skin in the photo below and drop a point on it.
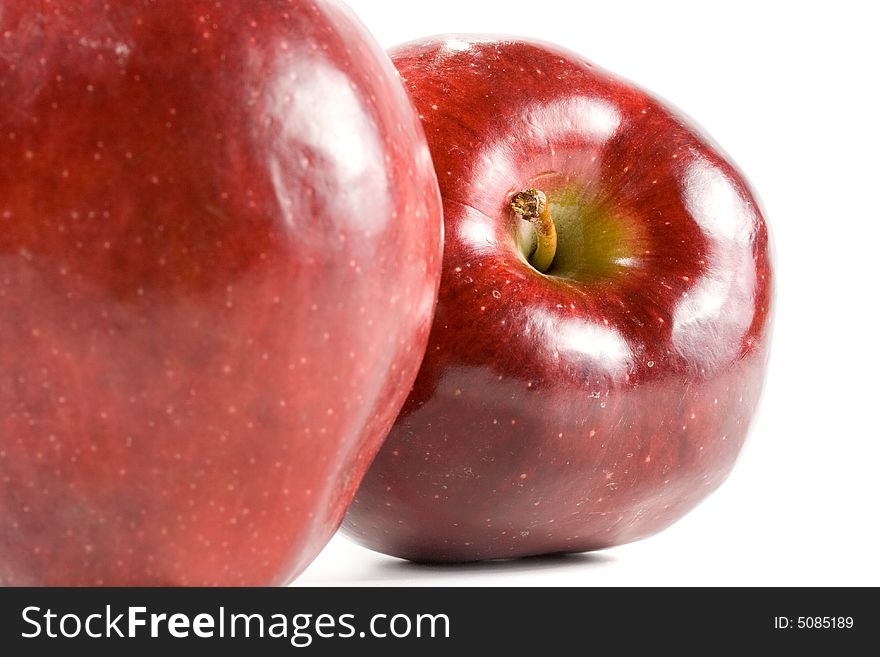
(595, 243)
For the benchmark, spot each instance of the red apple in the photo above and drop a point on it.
(597, 401)
(219, 250)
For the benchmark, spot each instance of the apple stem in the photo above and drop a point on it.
(531, 205)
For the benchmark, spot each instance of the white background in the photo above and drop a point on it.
(790, 91)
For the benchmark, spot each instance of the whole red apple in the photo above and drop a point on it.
(602, 330)
(220, 244)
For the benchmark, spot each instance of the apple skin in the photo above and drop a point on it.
(220, 243)
(599, 403)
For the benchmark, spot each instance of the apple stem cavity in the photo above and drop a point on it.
(531, 205)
